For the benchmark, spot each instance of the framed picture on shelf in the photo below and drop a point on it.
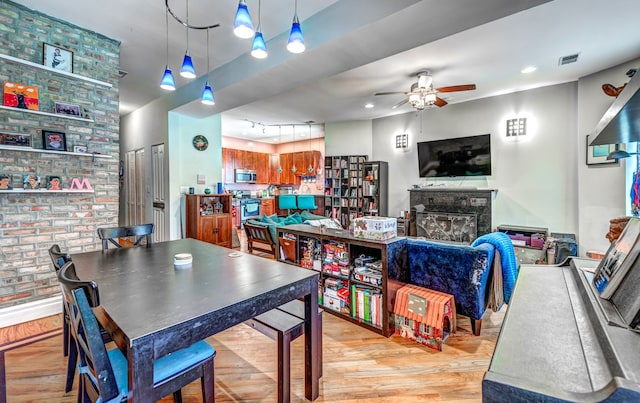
(5, 182)
(31, 182)
(54, 182)
(16, 140)
(67, 109)
(21, 96)
(57, 57)
(597, 155)
(80, 148)
(55, 141)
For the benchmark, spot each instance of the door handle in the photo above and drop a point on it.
(158, 205)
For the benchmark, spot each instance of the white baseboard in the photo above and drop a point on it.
(30, 311)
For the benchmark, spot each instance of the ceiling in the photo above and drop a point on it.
(355, 48)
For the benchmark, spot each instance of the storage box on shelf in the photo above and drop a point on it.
(353, 272)
(374, 227)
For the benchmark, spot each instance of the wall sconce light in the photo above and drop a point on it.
(402, 141)
(516, 127)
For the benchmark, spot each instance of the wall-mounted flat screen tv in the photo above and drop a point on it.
(463, 156)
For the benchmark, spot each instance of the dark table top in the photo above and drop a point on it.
(142, 282)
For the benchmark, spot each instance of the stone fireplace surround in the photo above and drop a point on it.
(455, 202)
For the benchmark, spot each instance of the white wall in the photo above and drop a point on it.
(535, 176)
(185, 162)
(348, 138)
(602, 191)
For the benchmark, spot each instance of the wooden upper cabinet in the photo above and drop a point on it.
(316, 160)
(274, 166)
(262, 167)
(228, 155)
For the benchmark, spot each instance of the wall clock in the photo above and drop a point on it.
(200, 142)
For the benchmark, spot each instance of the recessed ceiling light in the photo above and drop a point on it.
(369, 105)
(244, 133)
(528, 69)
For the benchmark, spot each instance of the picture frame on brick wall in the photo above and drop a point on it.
(57, 58)
(15, 140)
(31, 182)
(80, 148)
(20, 96)
(5, 182)
(67, 109)
(54, 182)
(55, 141)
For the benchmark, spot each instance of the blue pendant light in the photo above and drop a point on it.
(242, 26)
(187, 70)
(296, 41)
(167, 82)
(207, 97)
(259, 48)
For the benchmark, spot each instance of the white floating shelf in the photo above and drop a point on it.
(57, 115)
(37, 150)
(47, 68)
(43, 191)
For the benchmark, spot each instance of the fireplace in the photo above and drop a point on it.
(449, 211)
(449, 227)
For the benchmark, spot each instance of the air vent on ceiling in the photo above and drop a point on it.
(569, 59)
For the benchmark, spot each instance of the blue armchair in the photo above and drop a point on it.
(460, 270)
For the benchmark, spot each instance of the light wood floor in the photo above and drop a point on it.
(359, 365)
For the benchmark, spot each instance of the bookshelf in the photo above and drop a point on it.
(375, 188)
(353, 272)
(343, 187)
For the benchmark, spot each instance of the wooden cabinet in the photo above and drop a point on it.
(346, 289)
(262, 167)
(228, 156)
(208, 218)
(274, 167)
(268, 206)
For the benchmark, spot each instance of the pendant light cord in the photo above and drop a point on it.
(187, 25)
(208, 69)
(166, 18)
(259, 7)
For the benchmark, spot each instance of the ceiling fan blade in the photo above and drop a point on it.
(440, 102)
(454, 88)
(399, 104)
(391, 93)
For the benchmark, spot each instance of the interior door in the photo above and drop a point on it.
(158, 192)
(135, 185)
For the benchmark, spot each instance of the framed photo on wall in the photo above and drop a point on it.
(597, 155)
(21, 96)
(55, 141)
(15, 140)
(57, 57)
(67, 109)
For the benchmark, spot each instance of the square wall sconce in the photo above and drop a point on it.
(516, 127)
(402, 141)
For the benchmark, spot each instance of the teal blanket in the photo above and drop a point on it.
(503, 244)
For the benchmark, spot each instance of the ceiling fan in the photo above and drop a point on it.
(422, 93)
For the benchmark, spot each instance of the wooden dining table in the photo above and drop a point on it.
(152, 308)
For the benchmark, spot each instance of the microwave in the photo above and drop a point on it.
(245, 176)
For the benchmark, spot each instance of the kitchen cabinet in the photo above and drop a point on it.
(274, 166)
(208, 218)
(268, 206)
(228, 165)
(262, 167)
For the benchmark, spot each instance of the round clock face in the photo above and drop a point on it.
(200, 142)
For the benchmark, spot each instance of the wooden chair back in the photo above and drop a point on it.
(113, 235)
(259, 238)
(58, 258)
(97, 377)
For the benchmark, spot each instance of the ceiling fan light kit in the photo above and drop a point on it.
(422, 93)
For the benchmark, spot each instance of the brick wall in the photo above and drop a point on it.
(31, 222)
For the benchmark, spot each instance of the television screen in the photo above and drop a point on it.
(463, 156)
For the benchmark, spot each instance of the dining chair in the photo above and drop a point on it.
(287, 202)
(104, 373)
(59, 258)
(113, 235)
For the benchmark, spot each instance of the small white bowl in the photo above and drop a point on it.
(182, 261)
